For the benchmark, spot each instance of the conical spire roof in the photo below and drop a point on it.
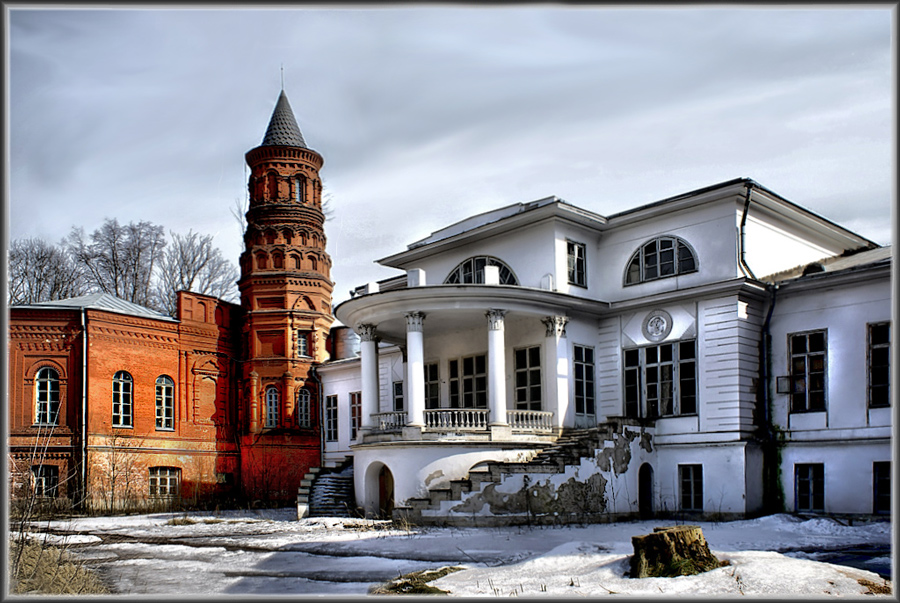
(283, 129)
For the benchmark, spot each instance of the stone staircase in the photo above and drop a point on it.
(570, 448)
(327, 492)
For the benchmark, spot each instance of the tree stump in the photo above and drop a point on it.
(671, 551)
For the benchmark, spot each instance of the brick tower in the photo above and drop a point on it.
(286, 298)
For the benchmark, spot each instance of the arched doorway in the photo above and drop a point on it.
(385, 492)
(645, 491)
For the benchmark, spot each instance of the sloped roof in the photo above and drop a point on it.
(834, 264)
(99, 301)
(283, 130)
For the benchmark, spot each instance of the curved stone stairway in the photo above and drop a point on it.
(601, 442)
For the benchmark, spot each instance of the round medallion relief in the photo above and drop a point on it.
(657, 325)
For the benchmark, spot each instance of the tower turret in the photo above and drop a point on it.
(285, 291)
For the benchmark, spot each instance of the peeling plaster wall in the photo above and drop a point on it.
(604, 484)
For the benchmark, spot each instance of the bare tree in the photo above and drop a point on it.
(39, 271)
(119, 259)
(192, 263)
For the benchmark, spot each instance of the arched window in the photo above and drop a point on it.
(277, 261)
(303, 408)
(273, 407)
(165, 403)
(313, 263)
(298, 264)
(660, 258)
(262, 261)
(287, 235)
(122, 402)
(46, 397)
(471, 271)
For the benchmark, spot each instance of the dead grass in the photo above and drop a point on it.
(415, 583)
(48, 570)
(875, 588)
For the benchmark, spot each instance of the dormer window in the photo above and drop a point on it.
(471, 272)
(660, 258)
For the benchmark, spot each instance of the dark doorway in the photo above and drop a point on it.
(645, 491)
(385, 492)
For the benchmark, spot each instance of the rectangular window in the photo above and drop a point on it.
(164, 482)
(577, 264)
(528, 378)
(331, 418)
(584, 380)
(398, 396)
(468, 382)
(881, 486)
(355, 413)
(810, 487)
(808, 371)
(661, 380)
(46, 481)
(691, 479)
(880, 365)
(302, 343)
(432, 386)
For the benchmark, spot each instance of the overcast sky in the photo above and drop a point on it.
(428, 114)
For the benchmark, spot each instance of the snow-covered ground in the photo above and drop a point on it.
(269, 552)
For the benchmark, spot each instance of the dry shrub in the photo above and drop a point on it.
(48, 570)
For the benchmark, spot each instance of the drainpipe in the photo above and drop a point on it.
(769, 483)
(84, 404)
(741, 242)
(321, 407)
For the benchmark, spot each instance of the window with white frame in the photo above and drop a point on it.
(165, 482)
(122, 401)
(468, 382)
(303, 343)
(273, 407)
(46, 397)
(398, 395)
(303, 408)
(299, 189)
(165, 403)
(471, 271)
(808, 365)
(528, 378)
(355, 413)
(881, 487)
(432, 386)
(576, 263)
(660, 258)
(46, 480)
(661, 380)
(879, 365)
(331, 418)
(691, 480)
(809, 484)
(584, 380)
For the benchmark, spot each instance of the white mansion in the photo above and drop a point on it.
(720, 353)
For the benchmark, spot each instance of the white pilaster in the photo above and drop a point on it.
(556, 361)
(368, 353)
(415, 369)
(496, 367)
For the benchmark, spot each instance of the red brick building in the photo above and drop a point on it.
(116, 405)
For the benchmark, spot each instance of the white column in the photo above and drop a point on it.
(415, 369)
(368, 352)
(556, 360)
(496, 367)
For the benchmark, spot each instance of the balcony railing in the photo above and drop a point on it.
(531, 420)
(465, 419)
(389, 421)
(457, 418)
